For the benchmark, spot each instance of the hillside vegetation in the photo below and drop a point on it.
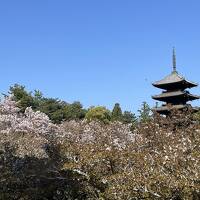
(100, 155)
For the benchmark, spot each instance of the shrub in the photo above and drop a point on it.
(98, 113)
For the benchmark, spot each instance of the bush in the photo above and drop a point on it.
(98, 113)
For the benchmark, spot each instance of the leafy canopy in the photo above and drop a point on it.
(98, 113)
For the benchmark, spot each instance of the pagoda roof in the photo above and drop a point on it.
(172, 79)
(166, 109)
(165, 95)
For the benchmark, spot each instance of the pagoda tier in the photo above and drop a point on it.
(166, 109)
(175, 97)
(175, 94)
(174, 81)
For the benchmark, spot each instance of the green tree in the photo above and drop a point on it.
(129, 117)
(57, 110)
(54, 108)
(116, 113)
(98, 113)
(74, 111)
(23, 98)
(144, 113)
(38, 99)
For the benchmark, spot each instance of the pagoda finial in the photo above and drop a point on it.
(174, 60)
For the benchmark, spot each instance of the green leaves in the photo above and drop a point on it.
(98, 113)
(144, 113)
(56, 110)
(59, 111)
(21, 96)
(117, 113)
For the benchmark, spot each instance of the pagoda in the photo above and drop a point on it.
(175, 94)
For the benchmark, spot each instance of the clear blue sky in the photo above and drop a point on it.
(98, 51)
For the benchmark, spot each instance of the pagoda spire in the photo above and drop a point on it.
(174, 60)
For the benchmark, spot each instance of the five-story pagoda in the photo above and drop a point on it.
(175, 94)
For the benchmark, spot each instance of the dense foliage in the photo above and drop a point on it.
(56, 109)
(88, 159)
(59, 111)
(159, 160)
(117, 113)
(144, 113)
(99, 113)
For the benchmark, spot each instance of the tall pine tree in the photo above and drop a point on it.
(144, 113)
(117, 113)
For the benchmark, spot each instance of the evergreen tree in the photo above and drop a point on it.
(74, 111)
(144, 113)
(117, 113)
(21, 96)
(56, 110)
(129, 117)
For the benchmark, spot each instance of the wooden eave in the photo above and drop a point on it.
(174, 79)
(168, 95)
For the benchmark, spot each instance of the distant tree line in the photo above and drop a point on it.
(59, 111)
